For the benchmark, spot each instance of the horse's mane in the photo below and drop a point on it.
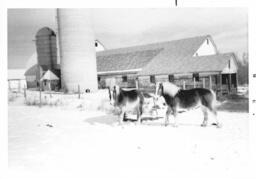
(170, 89)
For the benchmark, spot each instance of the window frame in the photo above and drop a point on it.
(152, 79)
(124, 78)
(171, 78)
(196, 76)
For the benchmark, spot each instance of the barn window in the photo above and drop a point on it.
(196, 76)
(124, 78)
(96, 44)
(152, 79)
(99, 78)
(171, 78)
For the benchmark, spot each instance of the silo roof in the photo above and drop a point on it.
(45, 31)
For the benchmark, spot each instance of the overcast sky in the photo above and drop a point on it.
(117, 28)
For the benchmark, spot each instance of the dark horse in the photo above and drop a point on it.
(182, 100)
(126, 100)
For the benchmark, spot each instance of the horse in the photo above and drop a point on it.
(126, 100)
(178, 100)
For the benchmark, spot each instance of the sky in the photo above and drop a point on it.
(116, 28)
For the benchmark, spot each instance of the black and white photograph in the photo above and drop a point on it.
(130, 92)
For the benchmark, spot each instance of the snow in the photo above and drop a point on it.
(89, 143)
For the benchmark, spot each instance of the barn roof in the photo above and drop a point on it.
(49, 75)
(209, 63)
(14, 74)
(33, 70)
(125, 61)
(151, 58)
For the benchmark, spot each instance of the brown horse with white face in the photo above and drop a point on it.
(126, 100)
(183, 100)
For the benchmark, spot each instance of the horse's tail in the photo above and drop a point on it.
(215, 102)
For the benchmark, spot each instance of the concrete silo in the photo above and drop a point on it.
(46, 48)
(77, 50)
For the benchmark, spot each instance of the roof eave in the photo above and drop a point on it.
(119, 72)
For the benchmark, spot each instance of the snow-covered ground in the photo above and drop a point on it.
(71, 141)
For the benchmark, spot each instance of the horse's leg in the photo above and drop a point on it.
(205, 112)
(138, 110)
(214, 112)
(155, 107)
(168, 111)
(175, 117)
(218, 124)
(121, 117)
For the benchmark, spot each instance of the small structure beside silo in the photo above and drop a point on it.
(49, 81)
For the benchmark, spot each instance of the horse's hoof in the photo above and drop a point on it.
(203, 125)
(175, 125)
(218, 125)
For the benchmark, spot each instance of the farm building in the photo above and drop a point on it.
(16, 80)
(191, 62)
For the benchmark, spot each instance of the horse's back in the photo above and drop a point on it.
(191, 97)
(206, 96)
(130, 96)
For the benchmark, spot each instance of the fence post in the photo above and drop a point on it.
(137, 83)
(9, 85)
(220, 84)
(78, 91)
(210, 82)
(50, 88)
(229, 84)
(19, 86)
(40, 95)
(184, 84)
(25, 92)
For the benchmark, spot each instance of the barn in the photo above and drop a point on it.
(189, 63)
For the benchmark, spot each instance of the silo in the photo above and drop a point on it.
(77, 50)
(46, 48)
